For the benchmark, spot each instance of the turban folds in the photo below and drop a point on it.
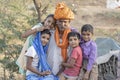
(63, 12)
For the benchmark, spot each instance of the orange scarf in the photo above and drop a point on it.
(64, 43)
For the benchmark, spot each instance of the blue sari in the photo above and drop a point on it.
(42, 65)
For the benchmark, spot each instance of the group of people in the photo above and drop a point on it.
(55, 51)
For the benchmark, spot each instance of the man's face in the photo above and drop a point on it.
(63, 24)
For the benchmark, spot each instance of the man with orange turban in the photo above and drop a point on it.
(58, 46)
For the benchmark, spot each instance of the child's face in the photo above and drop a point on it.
(49, 23)
(87, 35)
(74, 41)
(45, 39)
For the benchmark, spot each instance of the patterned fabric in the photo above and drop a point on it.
(36, 77)
(63, 12)
(44, 66)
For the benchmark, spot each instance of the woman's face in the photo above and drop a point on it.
(63, 24)
(86, 35)
(45, 39)
(49, 23)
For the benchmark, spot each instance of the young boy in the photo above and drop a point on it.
(74, 62)
(89, 69)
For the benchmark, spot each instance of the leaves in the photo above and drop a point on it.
(15, 18)
(13, 21)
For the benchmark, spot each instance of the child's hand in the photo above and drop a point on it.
(46, 73)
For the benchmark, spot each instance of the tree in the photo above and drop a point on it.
(40, 11)
(14, 20)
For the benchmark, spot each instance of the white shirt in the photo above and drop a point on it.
(32, 53)
(54, 57)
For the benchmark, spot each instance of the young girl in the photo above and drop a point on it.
(74, 62)
(37, 66)
(48, 23)
(89, 68)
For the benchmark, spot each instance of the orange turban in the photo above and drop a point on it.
(63, 12)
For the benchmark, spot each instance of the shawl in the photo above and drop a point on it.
(64, 43)
(41, 51)
(42, 64)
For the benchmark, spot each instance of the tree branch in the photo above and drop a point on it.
(37, 4)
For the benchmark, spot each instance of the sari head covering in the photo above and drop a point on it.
(42, 64)
(63, 12)
(41, 51)
(64, 43)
